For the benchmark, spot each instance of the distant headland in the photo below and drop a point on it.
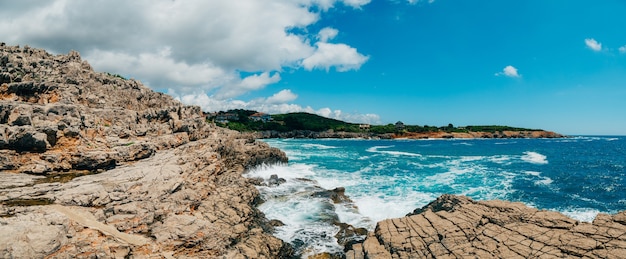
(306, 125)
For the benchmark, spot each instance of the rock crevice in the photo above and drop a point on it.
(458, 227)
(139, 174)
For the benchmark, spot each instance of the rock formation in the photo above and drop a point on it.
(480, 134)
(408, 135)
(93, 165)
(458, 227)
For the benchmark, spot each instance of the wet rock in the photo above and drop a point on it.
(456, 226)
(275, 181)
(348, 235)
(337, 195)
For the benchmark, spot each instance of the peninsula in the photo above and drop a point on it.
(93, 165)
(306, 125)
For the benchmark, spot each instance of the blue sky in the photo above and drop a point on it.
(555, 65)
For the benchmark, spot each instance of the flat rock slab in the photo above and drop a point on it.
(458, 227)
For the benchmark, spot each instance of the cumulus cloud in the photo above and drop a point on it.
(340, 56)
(274, 104)
(248, 84)
(177, 44)
(284, 96)
(207, 53)
(593, 44)
(327, 33)
(509, 71)
(417, 1)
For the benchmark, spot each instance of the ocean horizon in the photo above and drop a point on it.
(579, 176)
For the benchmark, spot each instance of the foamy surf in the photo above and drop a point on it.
(388, 179)
(534, 158)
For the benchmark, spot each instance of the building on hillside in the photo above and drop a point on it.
(399, 126)
(226, 117)
(260, 116)
(364, 126)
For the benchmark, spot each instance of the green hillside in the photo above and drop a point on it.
(313, 122)
(241, 120)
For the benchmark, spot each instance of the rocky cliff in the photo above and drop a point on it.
(458, 227)
(94, 165)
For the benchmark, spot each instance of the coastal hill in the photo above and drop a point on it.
(93, 165)
(306, 125)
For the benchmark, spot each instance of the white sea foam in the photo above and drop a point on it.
(317, 146)
(544, 181)
(539, 179)
(376, 149)
(379, 206)
(306, 217)
(534, 158)
(503, 159)
(533, 173)
(581, 214)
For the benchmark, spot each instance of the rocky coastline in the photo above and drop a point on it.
(308, 134)
(96, 166)
(459, 227)
(93, 165)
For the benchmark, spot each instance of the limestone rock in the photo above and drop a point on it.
(458, 227)
(93, 165)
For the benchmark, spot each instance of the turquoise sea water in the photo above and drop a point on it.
(578, 176)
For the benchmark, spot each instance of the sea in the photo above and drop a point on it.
(578, 176)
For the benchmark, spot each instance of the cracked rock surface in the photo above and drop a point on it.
(96, 166)
(459, 227)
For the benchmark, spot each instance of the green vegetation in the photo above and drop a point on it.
(244, 121)
(116, 75)
(240, 120)
(307, 121)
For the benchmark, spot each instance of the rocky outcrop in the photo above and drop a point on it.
(93, 165)
(480, 134)
(408, 135)
(68, 117)
(321, 134)
(458, 227)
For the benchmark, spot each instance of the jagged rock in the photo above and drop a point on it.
(92, 165)
(456, 226)
(93, 160)
(337, 195)
(275, 181)
(25, 138)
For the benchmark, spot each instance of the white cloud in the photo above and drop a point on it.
(185, 45)
(206, 53)
(622, 49)
(247, 84)
(272, 105)
(284, 96)
(327, 33)
(509, 71)
(356, 3)
(340, 56)
(417, 1)
(593, 44)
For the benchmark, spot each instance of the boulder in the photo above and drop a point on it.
(27, 139)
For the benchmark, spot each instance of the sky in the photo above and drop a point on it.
(557, 65)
